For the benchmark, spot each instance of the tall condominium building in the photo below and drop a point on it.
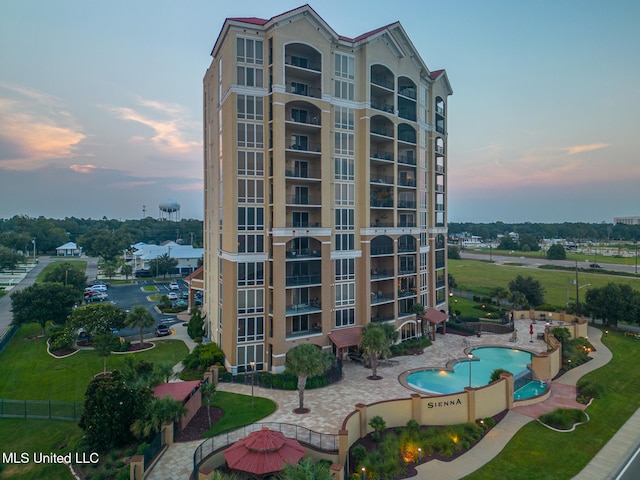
(325, 166)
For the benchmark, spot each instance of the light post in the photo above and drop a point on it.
(363, 477)
(470, 357)
(636, 242)
(34, 249)
(252, 364)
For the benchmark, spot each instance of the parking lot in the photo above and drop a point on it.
(127, 296)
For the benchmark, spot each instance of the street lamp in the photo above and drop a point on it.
(470, 357)
(251, 365)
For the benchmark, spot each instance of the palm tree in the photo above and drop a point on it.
(518, 300)
(158, 412)
(139, 317)
(305, 469)
(306, 360)
(375, 343)
(207, 390)
(500, 294)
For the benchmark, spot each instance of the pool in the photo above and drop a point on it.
(530, 390)
(486, 360)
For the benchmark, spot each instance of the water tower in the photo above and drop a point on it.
(169, 210)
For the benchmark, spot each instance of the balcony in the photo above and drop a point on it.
(408, 92)
(303, 173)
(300, 253)
(303, 308)
(406, 293)
(407, 271)
(381, 273)
(439, 188)
(302, 62)
(382, 179)
(381, 223)
(302, 224)
(407, 204)
(407, 182)
(407, 137)
(406, 224)
(439, 168)
(382, 106)
(439, 207)
(380, 251)
(381, 202)
(304, 89)
(383, 81)
(308, 147)
(407, 159)
(302, 280)
(381, 155)
(382, 318)
(309, 200)
(381, 297)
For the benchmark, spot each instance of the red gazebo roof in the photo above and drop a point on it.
(179, 391)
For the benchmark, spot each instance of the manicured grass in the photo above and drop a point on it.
(45, 436)
(481, 277)
(238, 411)
(149, 288)
(28, 372)
(582, 258)
(536, 452)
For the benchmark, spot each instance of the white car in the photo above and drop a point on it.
(174, 286)
(172, 296)
(98, 287)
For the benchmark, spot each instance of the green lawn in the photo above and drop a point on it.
(238, 410)
(482, 276)
(46, 436)
(76, 264)
(587, 257)
(536, 452)
(28, 372)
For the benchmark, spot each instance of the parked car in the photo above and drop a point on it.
(174, 286)
(163, 330)
(142, 273)
(181, 303)
(183, 295)
(172, 295)
(96, 297)
(98, 287)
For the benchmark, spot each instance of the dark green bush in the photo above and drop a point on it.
(589, 389)
(563, 418)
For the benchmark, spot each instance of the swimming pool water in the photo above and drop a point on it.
(488, 359)
(530, 390)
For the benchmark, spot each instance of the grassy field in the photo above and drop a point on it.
(238, 411)
(481, 277)
(28, 372)
(536, 452)
(587, 257)
(76, 264)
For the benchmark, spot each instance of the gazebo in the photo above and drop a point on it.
(435, 317)
(263, 452)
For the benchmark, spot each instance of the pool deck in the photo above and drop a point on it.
(330, 405)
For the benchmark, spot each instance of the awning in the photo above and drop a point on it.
(346, 337)
(435, 316)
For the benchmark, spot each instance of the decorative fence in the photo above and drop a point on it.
(40, 409)
(326, 442)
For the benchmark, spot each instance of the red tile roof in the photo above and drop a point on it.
(346, 337)
(179, 391)
(435, 316)
(197, 273)
(435, 74)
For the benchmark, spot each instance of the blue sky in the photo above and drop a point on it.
(100, 102)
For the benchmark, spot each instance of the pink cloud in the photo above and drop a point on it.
(83, 168)
(584, 148)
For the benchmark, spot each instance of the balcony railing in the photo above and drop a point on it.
(306, 119)
(384, 179)
(407, 182)
(383, 106)
(382, 81)
(296, 280)
(406, 224)
(387, 132)
(304, 90)
(303, 253)
(439, 188)
(302, 62)
(382, 202)
(439, 207)
(381, 297)
(382, 155)
(305, 147)
(407, 114)
(407, 159)
(406, 248)
(303, 308)
(407, 137)
(381, 224)
(410, 204)
(439, 168)
(406, 293)
(407, 271)
(409, 92)
(382, 250)
(378, 273)
(303, 173)
(303, 224)
(304, 199)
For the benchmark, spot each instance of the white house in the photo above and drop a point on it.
(69, 249)
(187, 256)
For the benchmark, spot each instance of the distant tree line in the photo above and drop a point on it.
(102, 238)
(576, 232)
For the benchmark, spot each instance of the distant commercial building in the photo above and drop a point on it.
(325, 186)
(627, 220)
(188, 257)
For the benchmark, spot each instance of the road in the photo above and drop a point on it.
(536, 261)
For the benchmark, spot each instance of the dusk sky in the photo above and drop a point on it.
(101, 102)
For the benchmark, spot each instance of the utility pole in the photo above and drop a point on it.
(577, 290)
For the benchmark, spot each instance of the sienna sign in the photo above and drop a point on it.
(445, 403)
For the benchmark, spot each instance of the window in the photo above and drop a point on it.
(343, 143)
(344, 169)
(345, 269)
(300, 324)
(250, 163)
(300, 219)
(345, 317)
(251, 301)
(407, 264)
(250, 274)
(251, 218)
(250, 329)
(345, 294)
(345, 241)
(250, 190)
(251, 243)
(250, 107)
(250, 135)
(250, 353)
(343, 118)
(344, 218)
(344, 72)
(250, 76)
(249, 50)
(344, 194)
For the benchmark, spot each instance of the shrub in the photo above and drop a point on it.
(203, 356)
(590, 390)
(495, 375)
(563, 418)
